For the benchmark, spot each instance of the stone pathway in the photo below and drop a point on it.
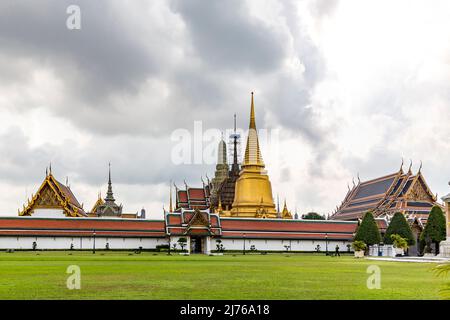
(411, 259)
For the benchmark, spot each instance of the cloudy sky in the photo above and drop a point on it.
(341, 87)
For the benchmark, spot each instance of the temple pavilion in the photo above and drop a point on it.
(397, 192)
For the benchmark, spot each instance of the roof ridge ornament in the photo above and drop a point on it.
(420, 168)
(410, 165)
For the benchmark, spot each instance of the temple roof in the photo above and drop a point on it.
(192, 198)
(213, 224)
(53, 194)
(400, 191)
(71, 227)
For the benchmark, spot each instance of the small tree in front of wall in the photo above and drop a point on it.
(359, 245)
(219, 246)
(399, 242)
(434, 231)
(182, 242)
(368, 231)
(399, 226)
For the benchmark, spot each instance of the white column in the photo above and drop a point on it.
(188, 244)
(208, 245)
(444, 246)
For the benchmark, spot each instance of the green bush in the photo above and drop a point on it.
(399, 242)
(368, 231)
(400, 226)
(359, 245)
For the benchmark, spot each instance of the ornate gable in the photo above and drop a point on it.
(418, 191)
(53, 195)
(198, 219)
(48, 198)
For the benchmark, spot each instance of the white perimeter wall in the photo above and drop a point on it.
(87, 243)
(279, 245)
(63, 243)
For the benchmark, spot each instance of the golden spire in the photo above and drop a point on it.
(253, 155)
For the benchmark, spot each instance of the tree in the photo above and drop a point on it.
(434, 230)
(313, 216)
(400, 226)
(368, 230)
(182, 242)
(399, 242)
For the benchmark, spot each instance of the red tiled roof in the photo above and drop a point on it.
(182, 196)
(81, 227)
(197, 194)
(321, 226)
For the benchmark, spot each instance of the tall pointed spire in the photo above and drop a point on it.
(252, 115)
(253, 155)
(235, 166)
(253, 183)
(109, 193)
(222, 152)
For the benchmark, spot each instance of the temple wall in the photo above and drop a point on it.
(279, 245)
(86, 243)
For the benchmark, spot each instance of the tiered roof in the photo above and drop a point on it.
(192, 222)
(205, 223)
(398, 192)
(192, 198)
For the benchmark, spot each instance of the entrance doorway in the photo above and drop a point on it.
(196, 245)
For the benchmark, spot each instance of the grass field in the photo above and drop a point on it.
(124, 275)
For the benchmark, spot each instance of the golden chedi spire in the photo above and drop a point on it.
(252, 151)
(253, 189)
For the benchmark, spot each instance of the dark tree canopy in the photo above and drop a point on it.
(313, 216)
(400, 226)
(368, 230)
(435, 227)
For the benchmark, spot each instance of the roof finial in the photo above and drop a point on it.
(109, 172)
(67, 181)
(234, 122)
(420, 168)
(252, 115)
(109, 193)
(46, 171)
(410, 165)
(50, 168)
(359, 180)
(353, 179)
(401, 166)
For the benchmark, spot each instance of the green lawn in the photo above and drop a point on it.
(124, 275)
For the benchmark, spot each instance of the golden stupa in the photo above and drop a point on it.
(253, 193)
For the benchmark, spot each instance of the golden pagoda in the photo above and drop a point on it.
(253, 195)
